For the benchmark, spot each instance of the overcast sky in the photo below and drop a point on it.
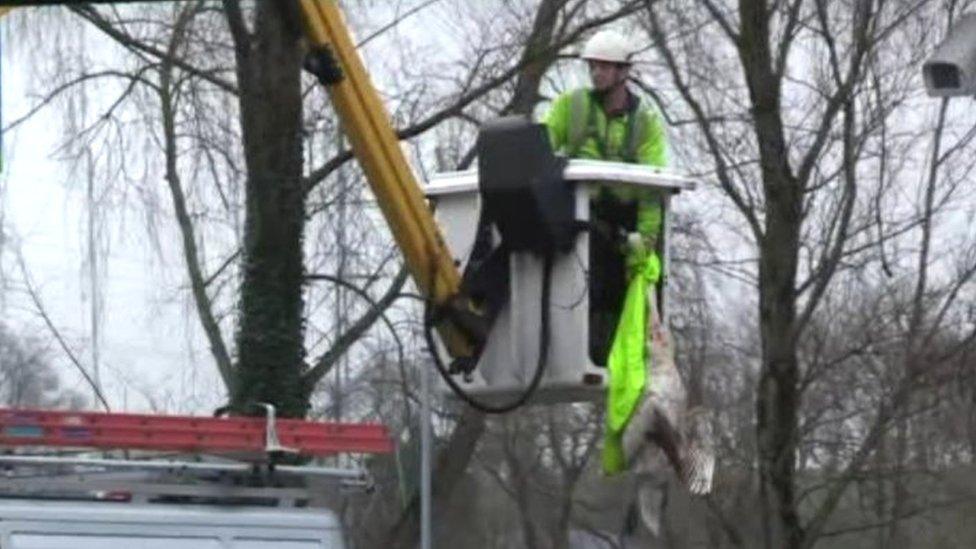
(149, 342)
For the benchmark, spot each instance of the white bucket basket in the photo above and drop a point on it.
(511, 354)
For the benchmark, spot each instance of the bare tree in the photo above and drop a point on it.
(798, 131)
(27, 378)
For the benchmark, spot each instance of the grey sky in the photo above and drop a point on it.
(149, 341)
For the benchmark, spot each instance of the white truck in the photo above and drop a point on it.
(146, 481)
(51, 524)
(99, 503)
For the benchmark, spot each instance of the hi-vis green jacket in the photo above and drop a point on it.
(579, 128)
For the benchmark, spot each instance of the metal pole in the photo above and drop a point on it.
(425, 447)
(664, 302)
(95, 294)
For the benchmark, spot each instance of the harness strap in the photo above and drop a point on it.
(584, 124)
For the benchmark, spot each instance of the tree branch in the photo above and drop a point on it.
(828, 266)
(199, 286)
(39, 307)
(845, 84)
(133, 44)
(720, 18)
(53, 94)
(722, 169)
(344, 342)
(792, 19)
(242, 40)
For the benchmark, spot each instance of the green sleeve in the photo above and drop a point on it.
(654, 149)
(557, 122)
(649, 214)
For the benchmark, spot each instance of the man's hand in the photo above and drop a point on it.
(636, 251)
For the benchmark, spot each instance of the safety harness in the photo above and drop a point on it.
(584, 124)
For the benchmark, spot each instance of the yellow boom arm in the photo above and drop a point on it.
(375, 144)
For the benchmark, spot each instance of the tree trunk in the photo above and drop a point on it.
(270, 334)
(896, 535)
(778, 397)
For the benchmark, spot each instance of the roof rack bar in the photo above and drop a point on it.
(80, 487)
(180, 466)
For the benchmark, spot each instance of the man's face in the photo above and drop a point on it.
(605, 75)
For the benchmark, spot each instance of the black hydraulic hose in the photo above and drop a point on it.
(540, 365)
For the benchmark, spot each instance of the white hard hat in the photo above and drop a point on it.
(607, 45)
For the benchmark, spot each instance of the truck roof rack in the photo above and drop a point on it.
(156, 480)
(238, 459)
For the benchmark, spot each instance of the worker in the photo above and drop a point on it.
(609, 122)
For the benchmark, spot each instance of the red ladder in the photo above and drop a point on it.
(190, 434)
